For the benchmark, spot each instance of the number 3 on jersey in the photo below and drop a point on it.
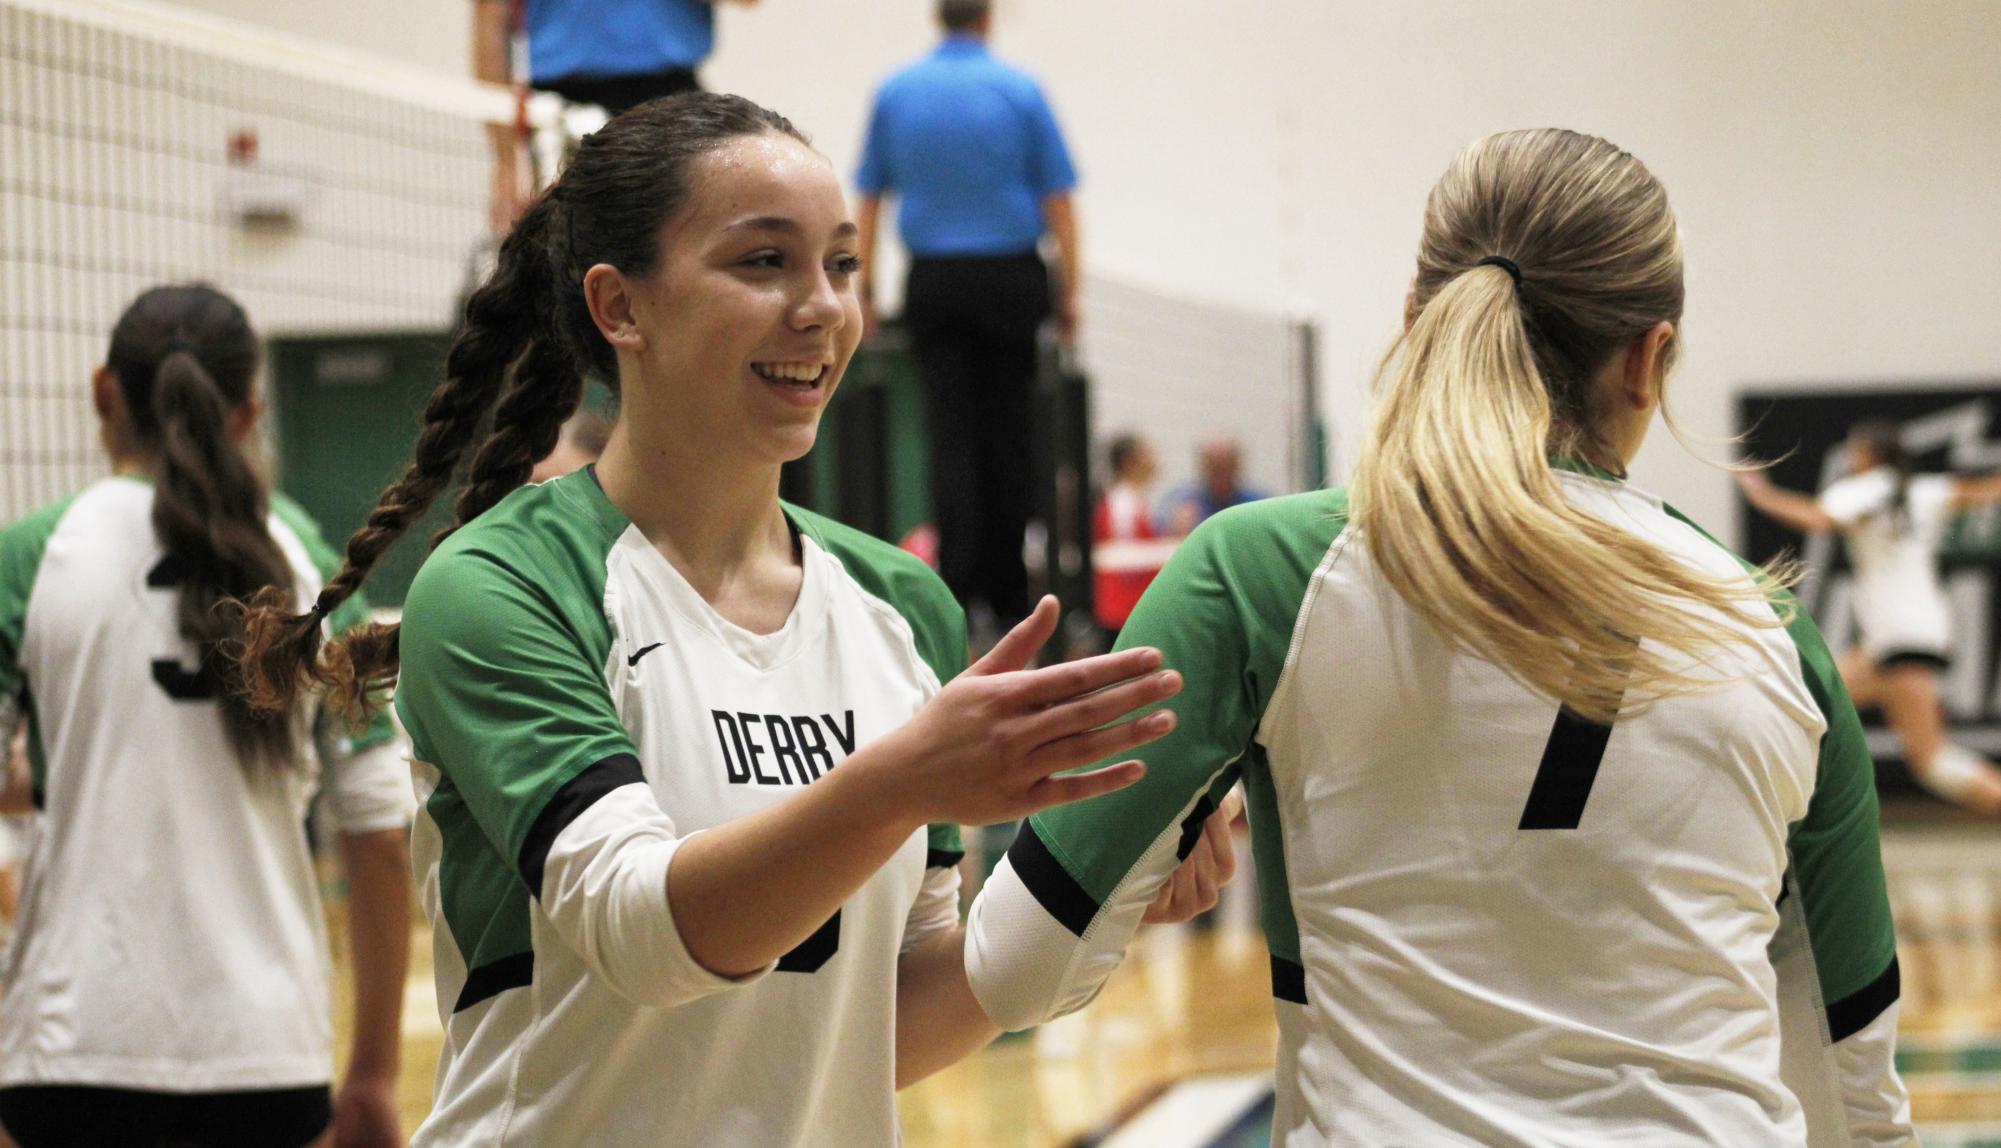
(180, 683)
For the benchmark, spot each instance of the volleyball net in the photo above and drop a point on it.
(141, 144)
(337, 194)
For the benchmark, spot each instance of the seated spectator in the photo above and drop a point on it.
(1127, 548)
(1219, 462)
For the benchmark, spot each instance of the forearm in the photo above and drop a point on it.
(493, 62)
(799, 860)
(1061, 213)
(868, 214)
(1792, 508)
(17, 792)
(378, 913)
(938, 1020)
(1980, 491)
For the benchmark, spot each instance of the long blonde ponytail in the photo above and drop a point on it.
(1455, 493)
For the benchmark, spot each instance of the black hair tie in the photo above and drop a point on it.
(1504, 263)
(181, 341)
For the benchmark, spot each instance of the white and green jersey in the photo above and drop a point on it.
(1899, 605)
(171, 936)
(577, 710)
(1490, 922)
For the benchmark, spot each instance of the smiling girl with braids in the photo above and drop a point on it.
(169, 980)
(679, 743)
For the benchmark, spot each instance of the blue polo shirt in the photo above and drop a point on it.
(970, 147)
(570, 39)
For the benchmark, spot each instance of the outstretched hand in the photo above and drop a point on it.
(989, 746)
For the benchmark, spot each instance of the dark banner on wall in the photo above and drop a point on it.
(1946, 429)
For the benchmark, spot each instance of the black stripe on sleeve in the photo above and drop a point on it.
(1288, 980)
(1191, 827)
(1051, 885)
(578, 794)
(495, 977)
(815, 950)
(943, 858)
(1853, 1013)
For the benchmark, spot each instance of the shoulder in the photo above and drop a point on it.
(31, 531)
(542, 544)
(1260, 556)
(1933, 490)
(24, 541)
(886, 570)
(1856, 494)
(1816, 663)
(1709, 546)
(899, 579)
(898, 84)
(1016, 79)
(1313, 520)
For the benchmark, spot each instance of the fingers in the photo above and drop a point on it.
(1018, 646)
(1098, 744)
(1216, 835)
(1053, 791)
(1095, 709)
(1053, 685)
(1205, 889)
(1196, 885)
(1232, 807)
(1165, 909)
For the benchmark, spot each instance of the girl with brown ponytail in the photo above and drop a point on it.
(169, 977)
(692, 761)
(1566, 829)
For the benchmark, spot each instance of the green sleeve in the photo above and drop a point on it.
(353, 612)
(503, 691)
(22, 544)
(1837, 858)
(1222, 613)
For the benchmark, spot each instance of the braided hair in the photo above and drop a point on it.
(523, 355)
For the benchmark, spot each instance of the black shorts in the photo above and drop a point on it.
(616, 93)
(1895, 658)
(84, 1116)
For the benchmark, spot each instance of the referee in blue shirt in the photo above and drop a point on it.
(970, 148)
(613, 53)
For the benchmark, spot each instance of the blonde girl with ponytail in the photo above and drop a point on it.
(1565, 826)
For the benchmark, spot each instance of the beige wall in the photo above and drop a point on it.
(1837, 164)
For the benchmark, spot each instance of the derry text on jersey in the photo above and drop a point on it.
(774, 749)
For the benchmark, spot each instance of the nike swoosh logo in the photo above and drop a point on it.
(634, 659)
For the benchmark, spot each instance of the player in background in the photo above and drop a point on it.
(1564, 825)
(168, 982)
(1892, 521)
(1127, 550)
(693, 760)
